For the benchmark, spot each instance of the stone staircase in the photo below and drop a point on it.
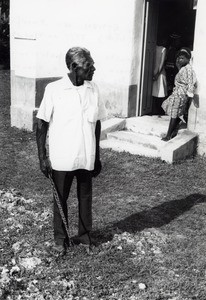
(142, 136)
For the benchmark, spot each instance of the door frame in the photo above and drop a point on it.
(144, 34)
(144, 38)
(142, 81)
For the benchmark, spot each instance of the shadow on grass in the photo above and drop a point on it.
(155, 217)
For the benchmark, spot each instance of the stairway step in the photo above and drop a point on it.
(142, 136)
(147, 141)
(148, 125)
(110, 125)
(122, 146)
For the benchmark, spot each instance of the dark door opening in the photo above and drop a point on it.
(175, 19)
(176, 24)
(177, 16)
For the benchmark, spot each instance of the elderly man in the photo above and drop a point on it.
(71, 110)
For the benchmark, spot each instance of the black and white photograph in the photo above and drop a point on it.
(102, 150)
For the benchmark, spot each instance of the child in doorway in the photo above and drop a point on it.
(185, 83)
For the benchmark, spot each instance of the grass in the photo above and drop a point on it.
(148, 221)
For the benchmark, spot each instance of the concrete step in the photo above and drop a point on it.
(147, 141)
(123, 146)
(180, 147)
(148, 125)
(184, 145)
(142, 136)
(110, 125)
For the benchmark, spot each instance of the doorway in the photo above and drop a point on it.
(172, 21)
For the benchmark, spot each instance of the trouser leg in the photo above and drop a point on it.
(84, 194)
(63, 181)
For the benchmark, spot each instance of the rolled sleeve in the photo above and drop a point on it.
(102, 113)
(46, 107)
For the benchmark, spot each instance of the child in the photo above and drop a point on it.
(185, 82)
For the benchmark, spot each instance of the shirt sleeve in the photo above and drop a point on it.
(46, 107)
(102, 113)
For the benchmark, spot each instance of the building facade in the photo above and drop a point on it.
(121, 35)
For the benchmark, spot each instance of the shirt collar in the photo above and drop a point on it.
(67, 84)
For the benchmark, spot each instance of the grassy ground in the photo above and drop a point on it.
(149, 222)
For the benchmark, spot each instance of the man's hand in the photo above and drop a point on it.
(155, 76)
(41, 133)
(97, 168)
(45, 166)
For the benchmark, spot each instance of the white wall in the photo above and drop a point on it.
(197, 119)
(43, 30)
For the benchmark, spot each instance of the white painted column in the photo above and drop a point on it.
(23, 44)
(197, 116)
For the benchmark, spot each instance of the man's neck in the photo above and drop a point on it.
(75, 80)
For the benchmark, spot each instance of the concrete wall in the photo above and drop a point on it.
(43, 30)
(23, 44)
(197, 119)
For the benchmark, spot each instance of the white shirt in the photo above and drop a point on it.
(72, 113)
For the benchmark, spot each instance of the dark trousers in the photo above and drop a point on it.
(63, 182)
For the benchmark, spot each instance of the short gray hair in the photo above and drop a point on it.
(76, 55)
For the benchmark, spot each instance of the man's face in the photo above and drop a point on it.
(85, 70)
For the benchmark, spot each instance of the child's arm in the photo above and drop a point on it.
(191, 78)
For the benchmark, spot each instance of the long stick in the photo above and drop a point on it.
(56, 197)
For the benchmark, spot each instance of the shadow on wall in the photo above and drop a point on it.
(156, 217)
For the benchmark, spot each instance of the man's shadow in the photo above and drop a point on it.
(155, 217)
